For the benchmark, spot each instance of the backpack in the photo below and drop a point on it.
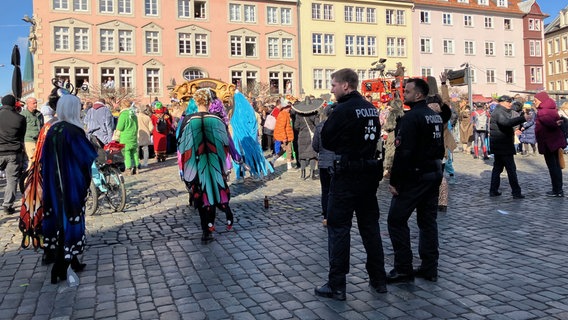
(161, 125)
(480, 121)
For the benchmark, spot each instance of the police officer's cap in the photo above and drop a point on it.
(505, 98)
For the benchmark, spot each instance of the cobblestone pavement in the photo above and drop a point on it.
(500, 258)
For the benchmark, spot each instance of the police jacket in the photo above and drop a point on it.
(419, 144)
(352, 130)
(501, 125)
(12, 131)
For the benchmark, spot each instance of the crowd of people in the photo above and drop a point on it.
(346, 141)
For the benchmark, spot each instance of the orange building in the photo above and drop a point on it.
(142, 47)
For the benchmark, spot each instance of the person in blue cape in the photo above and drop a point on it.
(66, 161)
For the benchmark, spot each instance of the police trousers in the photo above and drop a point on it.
(354, 192)
(421, 194)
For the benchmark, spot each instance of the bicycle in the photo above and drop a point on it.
(109, 184)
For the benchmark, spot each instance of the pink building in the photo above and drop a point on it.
(145, 46)
(488, 35)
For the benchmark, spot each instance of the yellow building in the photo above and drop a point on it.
(556, 52)
(348, 34)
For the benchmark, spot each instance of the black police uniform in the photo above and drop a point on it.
(416, 174)
(352, 132)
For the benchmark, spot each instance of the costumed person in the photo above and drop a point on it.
(162, 122)
(203, 145)
(244, 131)
(127, 133)
(466, 126)
(145, 128)
(305, 124)
(31, 212)
(216, 107)
(395, 113)
(66, 180)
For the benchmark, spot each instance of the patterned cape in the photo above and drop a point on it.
(31, 212)
(67, 156)
(203, 146)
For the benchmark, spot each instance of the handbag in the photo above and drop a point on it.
(561, 158)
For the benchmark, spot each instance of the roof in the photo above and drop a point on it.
(512, 8)
(480, 98)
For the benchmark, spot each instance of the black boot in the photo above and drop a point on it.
(59, 270)
(76, 265)
(303, 174)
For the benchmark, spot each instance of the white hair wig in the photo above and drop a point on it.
(69, 109)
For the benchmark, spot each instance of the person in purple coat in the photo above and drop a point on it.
(550, 138)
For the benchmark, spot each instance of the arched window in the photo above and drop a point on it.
(191, 74)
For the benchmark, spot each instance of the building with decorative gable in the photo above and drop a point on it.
(145, 46)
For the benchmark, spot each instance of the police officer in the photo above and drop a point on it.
(351, 132)
(415, 179)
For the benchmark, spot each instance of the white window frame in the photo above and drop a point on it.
(425, 17)
(61, 38)
(468, 21)
(489, 22)
(328, 13)
(426, 45)
(349, 13)
(272, 14)
(106, 6)
(124, 7)
(81, 39)
(511, 79)
(426, 71)
(153, 81)
(490, 48)
(508, 24)
(371, 15)
(349, 45)
(106, 40)
(316, 11)
(152, 42)
(151, 8)
(249, 14)
(235, 12)
(447, 19)
(449, 46)
(490, 76)
(535, 48)
(469, 47)
(80, 5)
(509, 49)
(185, 43)
(359, 14)
(60, 5)
(126, 41)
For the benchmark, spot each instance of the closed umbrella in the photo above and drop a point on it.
(17, 75)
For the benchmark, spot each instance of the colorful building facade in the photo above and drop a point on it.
(144, 47)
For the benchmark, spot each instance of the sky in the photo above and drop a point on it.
(14, 31)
